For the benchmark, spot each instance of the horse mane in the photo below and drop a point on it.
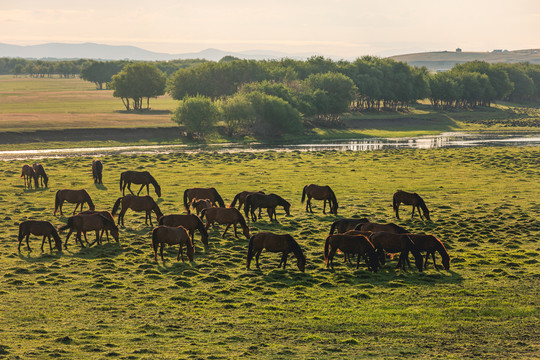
(441, 248)
(156, 209)
(399, 229)
(241, 220)
(332, 196)
(152, 179)
(200, 226)
(218, 198)
(88, 199)
(295, 248)
(107, 221)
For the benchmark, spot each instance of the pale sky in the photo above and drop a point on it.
(342, 28)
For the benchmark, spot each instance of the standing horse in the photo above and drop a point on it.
(28, 174)
(409, 199)
(320, 193)
(89, 222)
(202, 193)
(137, 203)
(172, 236)
(284, 244)
(269, 202)
(201, 204)
(373, 227)
(229, 216)
(344, 225)
(97, 171)
(142, 178)
(190, 222)
(41, 174)
(430, 244)
(78, 197)
(39, 228)
(396, 243)
(241, 198)
(104, 213)
(350, 244)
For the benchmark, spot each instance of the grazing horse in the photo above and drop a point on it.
(410, 199)
(97, 171)
(201, 204)
(40, 228)
(137, 203)
(430, 244)
(172, 236)
(270, 202)
(28, 174)
(41, 174)
(78, 197)
(202, 193)
(350, 244)
(320, 193)
(104, 213)
(89, 222)
(190, 222)
(396, 243)
(284, 244)
(241, 198)
(142, 178)
(344, 225)
(229, 216)
(390, 227)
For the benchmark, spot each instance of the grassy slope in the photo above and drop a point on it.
(114, 300)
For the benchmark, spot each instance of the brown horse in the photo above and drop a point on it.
(241, 198)
(320, 193)
(89, 222)
(373, 227)
(142, 178)
(430, 244)
(137, 203)
(409, 199)
(284, 244)
(202, 193)
(396, 243)
(97, 171)
(269, 202)
(344, 225)
(350, 244)
(39, 228)
(104, 213)
(78, 197)
(172, 236)
(229, 216)
(190, 222)
(28, 174)
(201, 204)
(41, 174)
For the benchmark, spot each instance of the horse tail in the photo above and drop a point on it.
(155, 242)
(395, 202)
(250, 251)
(116, 205)
(303, 194)
(121, 181)
(186, 205)
(160, 221)
(327, 250)
(20, 232)
(235, 200)
(69, 224)
(219, 199)
(57, 201)
(333, 227)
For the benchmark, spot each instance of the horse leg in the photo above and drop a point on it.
(142, 187)
(60, 207)
(43, 242)
(397, 211)
(324, 207)
(227, 228)
(426, 261)
(235, 233)
(412, 214)
(331, 257)
(358, 260)
(180, 253)
(284, 258)
(149, 214)
(257, 258)
(76, 206)
(434, 264)
(129, 188)
(27, 242)
(161, 246)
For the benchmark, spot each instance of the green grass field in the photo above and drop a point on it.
(115, 301)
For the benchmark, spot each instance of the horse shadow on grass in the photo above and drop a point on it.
(100, 186)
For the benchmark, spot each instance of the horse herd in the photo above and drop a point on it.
(370, 241)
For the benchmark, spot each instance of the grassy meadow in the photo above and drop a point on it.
(115, 301)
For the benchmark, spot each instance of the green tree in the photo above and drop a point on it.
(198, 114)
(273, 115)
(339, 89)
(238, 114)
(100, 72)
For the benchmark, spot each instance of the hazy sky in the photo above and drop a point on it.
(343, 28)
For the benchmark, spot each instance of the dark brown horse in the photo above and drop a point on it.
(190, 222)
(83, 223)
(139, 204)
(29, 174)
(200, 204)
(396, 243)
(373, 227)
(283, 244)
(39, 228)
(320, 193)
(142, 178)
(241, 198)
(430, 244)
(97, 171)
(172, 236)
(105, 213)
(269, 202)
(78, 197)
(202, 193)
(350, 244)
(344, 225)
(229, 216)
(410, 199)
(41, 174)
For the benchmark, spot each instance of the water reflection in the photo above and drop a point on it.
(423, 142)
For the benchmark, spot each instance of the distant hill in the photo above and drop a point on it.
(445, 60)
(112, 52)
